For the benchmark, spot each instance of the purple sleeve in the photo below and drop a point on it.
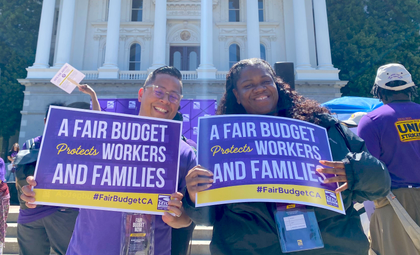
(2, 170)
(37, 141)
(188, 160)
(368, 132)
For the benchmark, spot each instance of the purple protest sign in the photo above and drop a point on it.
(265, 159)
(110, 161)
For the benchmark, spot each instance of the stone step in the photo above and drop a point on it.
(202, 233)
(11, 230)
(200, 244)
(13, 214)
(11, 246)
(200, 247)
(201, 240)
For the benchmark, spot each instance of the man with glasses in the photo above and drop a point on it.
(100, 232)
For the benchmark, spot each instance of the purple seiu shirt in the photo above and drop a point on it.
(392, 134)
(30, 215)
(98, 232)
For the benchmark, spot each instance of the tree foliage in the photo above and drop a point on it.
(366, 34)
(19, 21)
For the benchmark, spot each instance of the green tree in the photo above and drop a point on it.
(19, 21)
(366, 34)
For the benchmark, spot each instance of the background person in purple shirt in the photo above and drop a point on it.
(99, 232)
(10, 170)
(13, 152)
(392, 134)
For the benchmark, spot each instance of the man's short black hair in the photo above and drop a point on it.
(382, 93)
(53, 104)
(170, 70)
(79, 105)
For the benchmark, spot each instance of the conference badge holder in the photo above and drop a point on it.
(137, 234)
(297, 228)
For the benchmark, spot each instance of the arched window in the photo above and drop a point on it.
(135, 57)
(261, 10)
(234, 54)
(177, 60)
(262, 52)
(137, 10)
(192, 61)
(233, 10)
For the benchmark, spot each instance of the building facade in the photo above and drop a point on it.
(116, 43)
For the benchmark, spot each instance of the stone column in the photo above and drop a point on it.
(43, 46)
(301, 35)
(206, 69)
(159, 40)
(65, 33)
(110, 68)
(323, 47)
(252, 29)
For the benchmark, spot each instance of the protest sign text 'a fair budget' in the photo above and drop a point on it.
(265, 159)
(107, 161)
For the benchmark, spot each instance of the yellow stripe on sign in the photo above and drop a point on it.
(138, 234)
(65, 77)
(295, 193)
(116, 200)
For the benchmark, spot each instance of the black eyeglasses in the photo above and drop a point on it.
(160, 92)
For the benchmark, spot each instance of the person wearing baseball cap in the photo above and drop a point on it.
(354, 119)
(392, 134)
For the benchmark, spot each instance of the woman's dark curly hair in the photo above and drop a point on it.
(290, 103)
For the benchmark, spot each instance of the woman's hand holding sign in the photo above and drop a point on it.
(337, 168)
(198, 179)
(28, 195)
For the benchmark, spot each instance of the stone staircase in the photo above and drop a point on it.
(200, 243)
(201, 240)
(11, 244)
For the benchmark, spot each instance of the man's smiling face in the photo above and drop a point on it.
(152, 106)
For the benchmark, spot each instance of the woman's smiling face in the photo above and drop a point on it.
(256, 90)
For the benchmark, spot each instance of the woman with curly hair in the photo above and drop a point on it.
(252, 87)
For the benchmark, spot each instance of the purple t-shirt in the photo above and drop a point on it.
(392, 134)
(2, 170)
(12, 154)
(99, 232)
(30, 215)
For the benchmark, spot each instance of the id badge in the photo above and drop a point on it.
(137, 235)
(297, 228)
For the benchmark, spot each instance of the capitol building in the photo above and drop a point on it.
(116, 43)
